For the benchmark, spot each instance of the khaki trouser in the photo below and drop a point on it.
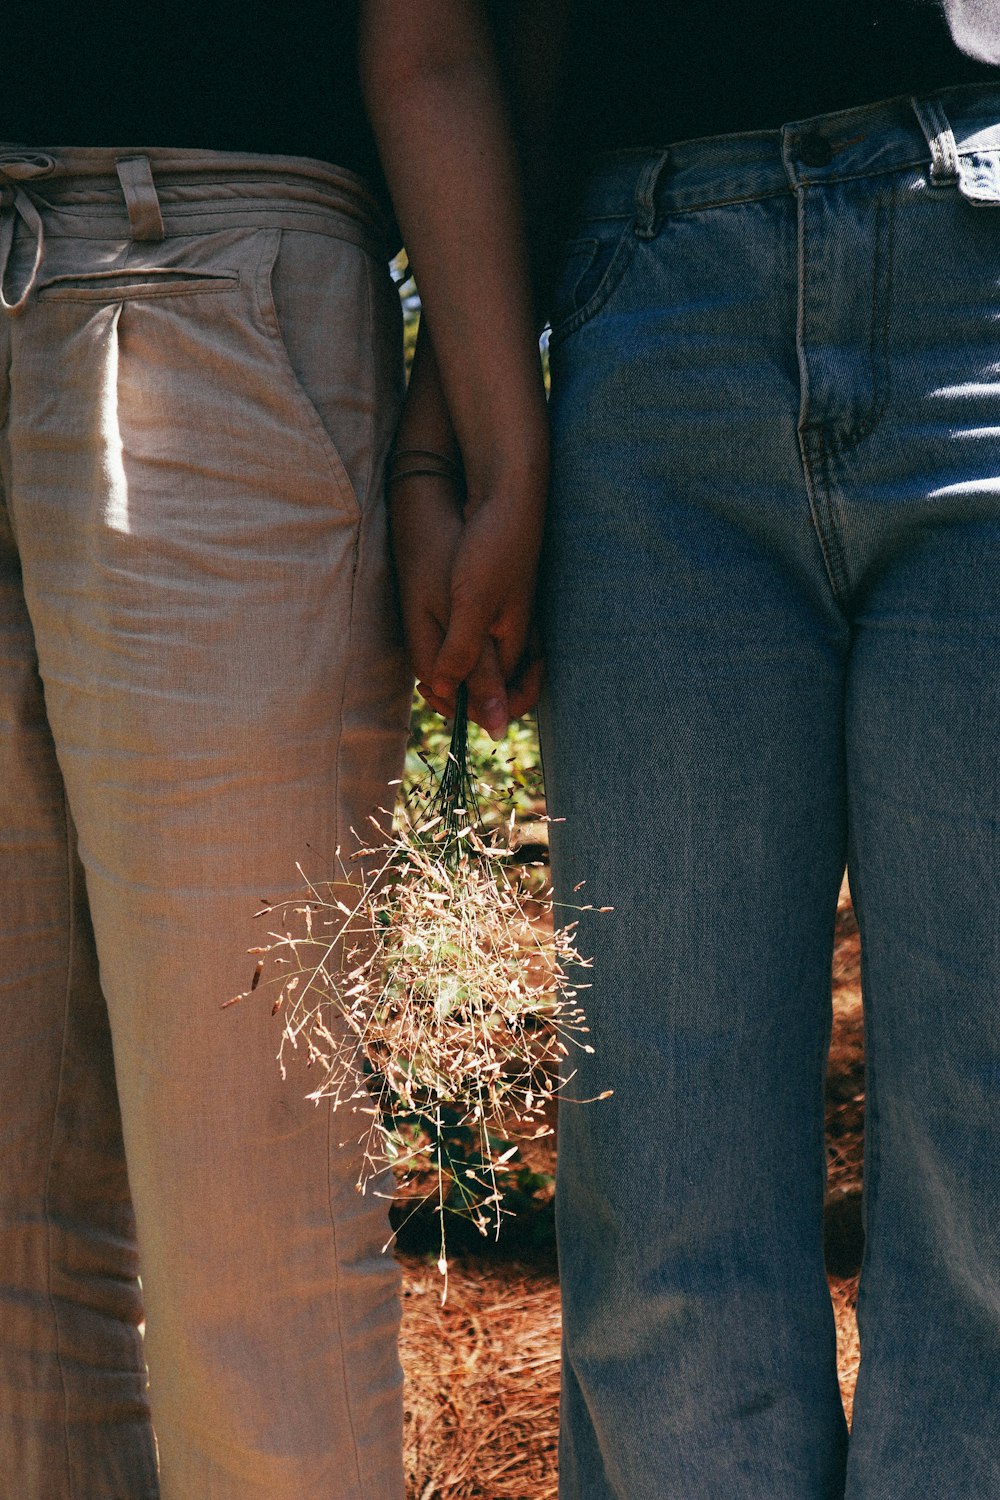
(201, 683)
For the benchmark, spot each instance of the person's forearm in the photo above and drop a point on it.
(425, 423)
(434, 95)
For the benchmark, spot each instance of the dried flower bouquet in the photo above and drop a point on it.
(431, 994)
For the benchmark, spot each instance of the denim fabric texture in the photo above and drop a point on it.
(201, 683)
(771, 602)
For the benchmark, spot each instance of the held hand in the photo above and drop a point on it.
(466, 548)
(425, 527)
(489, 643)
(465, 590)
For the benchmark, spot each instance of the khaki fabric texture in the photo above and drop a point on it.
(201, 684)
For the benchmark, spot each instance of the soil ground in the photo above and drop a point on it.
(482, 1372)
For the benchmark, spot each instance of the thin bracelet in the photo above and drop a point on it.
(443, 458)
(416, 474)
(412, 461)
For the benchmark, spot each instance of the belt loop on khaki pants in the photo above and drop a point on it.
(16, 204)
(940, 139)
(144, 217)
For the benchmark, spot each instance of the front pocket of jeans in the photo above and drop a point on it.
(593, 267)
(135, 283)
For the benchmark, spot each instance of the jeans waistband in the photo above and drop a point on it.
(956, 130)
(148, 193)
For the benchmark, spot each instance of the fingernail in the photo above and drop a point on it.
(495, 718)
(442, 688)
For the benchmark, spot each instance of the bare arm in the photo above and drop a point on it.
(434, 94)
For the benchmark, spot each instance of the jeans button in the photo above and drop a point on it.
(815, 151)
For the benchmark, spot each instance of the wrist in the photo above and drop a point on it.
(516, 480)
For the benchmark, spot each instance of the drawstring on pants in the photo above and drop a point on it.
(138, 190)
(15, 203)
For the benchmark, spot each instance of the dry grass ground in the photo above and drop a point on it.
(483, 1371)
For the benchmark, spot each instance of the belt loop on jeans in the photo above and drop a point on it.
(645, 196)
(144, 217)
(940, 139)
(13, 171)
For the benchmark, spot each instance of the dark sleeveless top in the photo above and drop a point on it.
(223, 75)
(241, 76)
(652, 72)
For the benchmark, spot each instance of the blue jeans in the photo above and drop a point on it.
(772, 610)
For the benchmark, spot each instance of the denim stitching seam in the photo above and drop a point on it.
(826, 449)
(826, 181)
(812, 447)
(670, 210)
(871, 1142)
(878, 346)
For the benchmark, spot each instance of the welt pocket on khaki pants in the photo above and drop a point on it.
(136, 282)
